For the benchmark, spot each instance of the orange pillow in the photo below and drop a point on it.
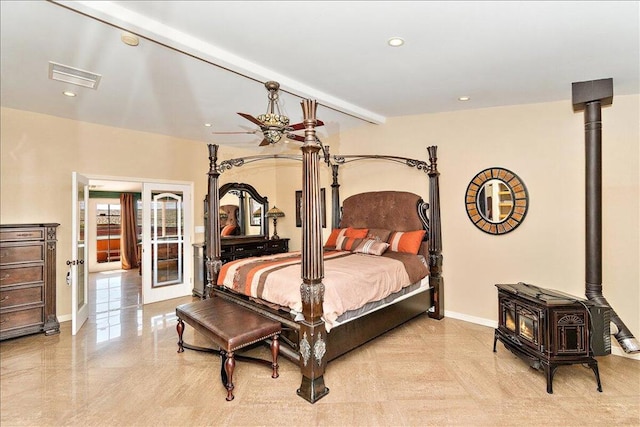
(227, 230)
(406, 241)
(358, 233)
(333, 237)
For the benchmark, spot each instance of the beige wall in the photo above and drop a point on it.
(39, 152)
(542, 143)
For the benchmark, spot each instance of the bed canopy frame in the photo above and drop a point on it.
(313, 335)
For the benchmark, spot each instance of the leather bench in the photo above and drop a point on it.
(231, 327)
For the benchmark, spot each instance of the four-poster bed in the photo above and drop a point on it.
(389, 218)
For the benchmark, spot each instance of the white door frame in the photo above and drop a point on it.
(150, 293)
(78, 264)
(188, 213)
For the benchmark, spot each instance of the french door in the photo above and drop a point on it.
(166, 241)
(79, 272)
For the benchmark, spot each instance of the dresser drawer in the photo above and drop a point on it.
(277, 246)
(17, 275)
(21, 319)
(21, 234)
(254, 247)
(12, 253)
(16, 297)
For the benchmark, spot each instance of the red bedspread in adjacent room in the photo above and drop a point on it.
(351, 280)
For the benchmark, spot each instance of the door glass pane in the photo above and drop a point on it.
(166, 239)
(81, 242)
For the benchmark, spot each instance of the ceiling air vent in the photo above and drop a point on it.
(64, 73)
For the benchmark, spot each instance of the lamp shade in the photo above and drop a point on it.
(274, 212)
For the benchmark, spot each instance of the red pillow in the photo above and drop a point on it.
(358, 233)
(406, 241)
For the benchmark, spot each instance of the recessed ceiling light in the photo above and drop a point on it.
(395, 42)
(207, 125)
(464, 98)
(69, 93)
(129, 39)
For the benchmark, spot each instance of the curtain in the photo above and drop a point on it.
(128, 234)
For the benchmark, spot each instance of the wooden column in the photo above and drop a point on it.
(313, 335)
(212, 237)
(436, 281)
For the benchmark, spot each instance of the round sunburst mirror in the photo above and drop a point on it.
(496, 201)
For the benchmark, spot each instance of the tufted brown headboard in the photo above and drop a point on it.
(393, 210)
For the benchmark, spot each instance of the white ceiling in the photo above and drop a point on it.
(202, 61)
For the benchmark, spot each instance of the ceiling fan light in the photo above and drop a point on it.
(273, 136)
(271, 119)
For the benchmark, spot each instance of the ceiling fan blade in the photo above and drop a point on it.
(252, 119)
(295, 137)
(264, 142)
(300, 126)
(231, 133)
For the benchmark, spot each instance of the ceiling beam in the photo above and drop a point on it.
(142, 26)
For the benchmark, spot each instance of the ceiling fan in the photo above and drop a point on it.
(273, 124)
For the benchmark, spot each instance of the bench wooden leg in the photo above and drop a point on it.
(229, 366)
(275, 350)
(180, 329)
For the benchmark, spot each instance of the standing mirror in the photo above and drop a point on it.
(242, 211)
(496, 201)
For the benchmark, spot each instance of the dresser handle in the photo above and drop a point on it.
(3, 254)
(4, 298)
(6, 276)
(23, 234)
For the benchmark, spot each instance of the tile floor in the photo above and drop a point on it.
(122, 369)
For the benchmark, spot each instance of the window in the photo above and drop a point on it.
(108, 232)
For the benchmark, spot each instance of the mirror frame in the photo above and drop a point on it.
(520, 202)
(263, 200)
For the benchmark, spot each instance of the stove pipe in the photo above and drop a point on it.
(591, 96)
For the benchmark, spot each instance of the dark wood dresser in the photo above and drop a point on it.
(28, 280)
(231, 249)
(546, 328)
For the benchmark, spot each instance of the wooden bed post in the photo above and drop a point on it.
(313, 335)
(335, 198)
(436, 281)
(212, 237)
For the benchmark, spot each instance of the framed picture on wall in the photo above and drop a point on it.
(323, 208)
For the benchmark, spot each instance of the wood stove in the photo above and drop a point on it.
(546, 328)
